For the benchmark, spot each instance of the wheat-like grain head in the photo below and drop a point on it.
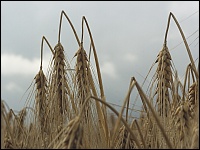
(41, 98)
(20, 126)
(59, 89)
(183, 119)
(8, 143)
(192, 98)
(164, 81)
(60, 79)
(122, 141)
(81, 73)
(72, 136)
(82, 80)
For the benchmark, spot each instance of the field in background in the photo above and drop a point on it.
(66, 107)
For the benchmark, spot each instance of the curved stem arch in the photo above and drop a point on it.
(184, 39)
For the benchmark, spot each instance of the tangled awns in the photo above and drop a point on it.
(67, 107)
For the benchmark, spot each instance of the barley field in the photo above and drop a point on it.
(66, 106)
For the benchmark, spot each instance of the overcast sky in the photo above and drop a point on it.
(127, 35)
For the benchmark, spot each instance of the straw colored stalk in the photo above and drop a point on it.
(188, 74)
(69, 90)
(190, 94)
(119, 118)
(119, 115)
(184, 40)
(164, 81)
(127, 98)
(102, 114)
(154, 114)
(84, 86)
(41, 96)
(96, 62)
(140, 133)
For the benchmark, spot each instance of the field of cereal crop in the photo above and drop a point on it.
(67, 108)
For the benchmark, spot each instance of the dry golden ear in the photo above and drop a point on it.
(164, 81)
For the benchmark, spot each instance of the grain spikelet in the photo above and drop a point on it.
(59, 69)
(192, 93)
(183, 123)
(81, 73)
(195, 137)
(192, 98)
(20, 118)
(59, 88)
(122, 139)
(102, 114)
(8, 144)
(82, 78)
(41, 98)
(72, 136)
(164, 81)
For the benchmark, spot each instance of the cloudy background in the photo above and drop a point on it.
(127, 35)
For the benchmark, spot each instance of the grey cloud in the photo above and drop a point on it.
(117, 28)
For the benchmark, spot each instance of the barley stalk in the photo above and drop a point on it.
(154, 114)
(184, 39)
(102, 114)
